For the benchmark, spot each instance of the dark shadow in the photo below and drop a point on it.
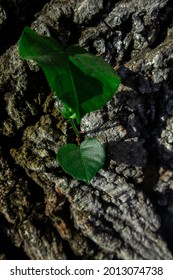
(19, 14)
(128, 152)
(7, 248)
(163, 203)
(68, 32)
(151, 108)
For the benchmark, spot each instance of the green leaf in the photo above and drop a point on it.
(82, 81)
(84, 161)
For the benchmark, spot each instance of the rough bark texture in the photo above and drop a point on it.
(127, 210)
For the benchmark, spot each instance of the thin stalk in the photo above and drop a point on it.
(74, 127)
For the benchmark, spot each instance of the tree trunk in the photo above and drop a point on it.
(127, 210)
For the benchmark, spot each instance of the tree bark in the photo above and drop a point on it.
(126, 211)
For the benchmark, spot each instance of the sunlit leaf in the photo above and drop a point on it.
(82, 81)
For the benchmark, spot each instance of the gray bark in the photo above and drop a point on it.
(126, 211)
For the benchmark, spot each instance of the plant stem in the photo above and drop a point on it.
(74, 127)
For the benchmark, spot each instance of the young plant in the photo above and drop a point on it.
(84, 83)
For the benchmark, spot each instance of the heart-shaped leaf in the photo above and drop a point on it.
(84, 161)
(82, 81)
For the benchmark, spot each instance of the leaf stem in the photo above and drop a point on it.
(74, 127)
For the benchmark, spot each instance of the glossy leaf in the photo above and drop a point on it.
(84, 161)
(82, 81)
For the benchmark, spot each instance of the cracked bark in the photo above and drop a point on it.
(126, 211)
